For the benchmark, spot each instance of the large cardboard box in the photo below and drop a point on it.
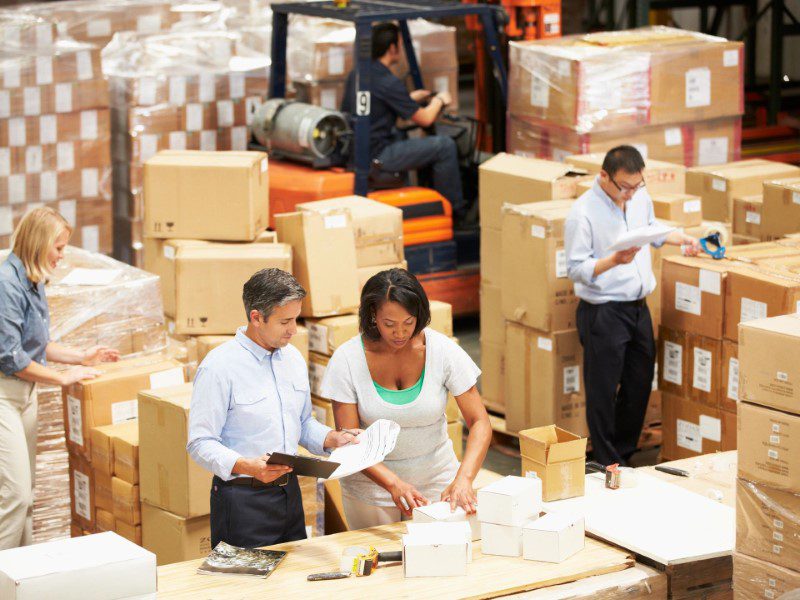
(677, 208)
(103, 494)
(559, 459)
(206, 343)
(173, 538)
(536, 289)
(660, 177)
(509, 179)
(691, 428)
(493, 369)
(169, 478)
(769, 373)
(367, 273)
(206, 195)
(127, 503)
(704, 375)
(102, 455)
(81, 491)
(126, 452)
(751, 295)
(128, 531)
(324, 260)
(718, 185)
(111, 397)
(729, 396)
(105, 521)
(326, 335)
(768, 523)
(317, 363)
(441, 317)
(491, 257)
(493, 324)
(753, 578)
(747, 216)
(556, 395)
(769, 449)
(763, 253)
(781, 207)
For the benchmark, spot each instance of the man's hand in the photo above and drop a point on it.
(260, 469)
(690, 246)
(97, 354)
(460, 493)
(624, 257)
(445, 97)
(419, 95)
(337, 439)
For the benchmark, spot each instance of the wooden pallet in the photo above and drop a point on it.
(709, 579)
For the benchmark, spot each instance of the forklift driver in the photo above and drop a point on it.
(390, 100)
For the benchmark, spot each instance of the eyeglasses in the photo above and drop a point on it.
(626, 189)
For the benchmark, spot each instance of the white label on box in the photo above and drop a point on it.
(64, 98)
(11, 77)
(44, 70)
(692, 206)
(90, 238)
(336, 60)
(775, 440)
(777, 536)
(702, 370)
(318, 338)
(688, 436)
(673, 136)
(752, 217)
(673, 363)
(730, 58)
(148, 23)
(642, 148)
(16, 189)
(16, 132)
(75, 419)
(719, 185)
(698, 87)
(48, 182)
(335, 221)
(5, 104)
(327, 98)
(773, 454)
(441, 84)
(782, 376)
(239, 141)
(32, 100)
(769, 594)
(208, 88)
(177, 140)
(68, 210)
(733, 379)
(47, 129)
(796, 197)
(194, 117)
(6, 221)
(572, 380)
(710, 282)
(169, 252)
(84, 63)
(99, 28)
(148, 146)
(90, 183)
(712, 151)
(124, 411)
(177, 90)
(537, 231)
(147, 91)
(167, 378)
(208, 141)
(561, 264)
(5, 162)
(545, 344)
(225, 113)
(752, 310)
(777, 524)
(89, 125)
(83, 495)
(688, 298)
(540, 91)
(711, 428)
(776, 428)
(33, 159)
(236, 84)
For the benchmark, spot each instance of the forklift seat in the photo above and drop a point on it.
(385, 180)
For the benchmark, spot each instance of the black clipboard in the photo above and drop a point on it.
(304, 465)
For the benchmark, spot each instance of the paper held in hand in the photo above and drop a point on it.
(374, 445)
(641, 236)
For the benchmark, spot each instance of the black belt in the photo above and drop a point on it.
(640, 302)
(252, 482)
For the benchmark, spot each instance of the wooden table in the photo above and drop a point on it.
(487, 576)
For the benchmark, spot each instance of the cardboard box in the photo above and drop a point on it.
(729, 396)
(536, 289)
(324, 260)
(659, 176)
(673, 362)
(103, 494)
(493, 324)
(751, 295)
(205, 195)
(81, 491)
(129, 532)
(326, 335)
(491, 259)
(169, 478)
(747, 216)
(501, 540)
(718, 185)
(510, 501)
(111, 397)
(206, 343)
(326, 94)
(768, 369)
(744, 240)
(753, 578)
(770, 446)
(781, 206)
(102, 455)
(559, 459)
(366, 273)
(96, 562)
(436, 550)
(442, 317)
(763, 253)
(557, 394)
(439, 512)
(768, 523)
(105, 520)
(378, 227)
(173, 538)
(126, 452)
(691, 428)
(704, 377)
(127, 503)
(678, 208)
(455, 431)
(317, 363)
(493, 376)
(509, 179)
(323, 411)
(553, 538)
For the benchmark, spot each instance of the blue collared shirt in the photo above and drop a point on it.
(24, 318)
(247, 401)
(594, 223)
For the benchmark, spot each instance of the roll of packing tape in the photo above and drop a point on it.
(348, 560)
(723, 234)
(627, 477)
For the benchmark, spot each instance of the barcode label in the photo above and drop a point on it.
(673, 363)
(572, 380)
(318, 338)
(702, 370)
(561, 263)
(83, 495)
(773, 454)
(75, 420)
(733, 379)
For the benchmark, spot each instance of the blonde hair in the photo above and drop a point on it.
(34, 237)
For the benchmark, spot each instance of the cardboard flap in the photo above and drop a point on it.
(551, 444)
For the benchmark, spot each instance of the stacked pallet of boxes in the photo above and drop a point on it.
(767, 556)
(677, 95)
(54, 131)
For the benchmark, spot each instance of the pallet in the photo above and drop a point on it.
(709, 579)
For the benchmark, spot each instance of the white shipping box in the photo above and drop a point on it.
(435, 550)
(460, 527)
(510, 501)
(553, 537)
(104, 566)
(501, 540)
(439, 512)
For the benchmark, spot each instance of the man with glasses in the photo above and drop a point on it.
(613, 319)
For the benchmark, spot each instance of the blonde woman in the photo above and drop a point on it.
(25, 347)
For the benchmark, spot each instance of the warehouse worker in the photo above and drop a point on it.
(251, 397)
(390, 100)
(399, 369)
(37, 246)
(613, 319)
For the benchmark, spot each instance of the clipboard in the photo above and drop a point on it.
(304, 465)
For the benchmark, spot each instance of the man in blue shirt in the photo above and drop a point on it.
(251, 397)
(613, 319)
(390, 100)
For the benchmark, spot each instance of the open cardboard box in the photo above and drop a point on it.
(559, 459)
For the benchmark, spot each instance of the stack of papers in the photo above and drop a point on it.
(377, 441)
(641, 236)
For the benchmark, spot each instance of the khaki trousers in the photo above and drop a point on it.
(18, 408)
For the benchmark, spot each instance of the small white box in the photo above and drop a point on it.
(439, 512)
(103, 566)
(510, 501)
(436, 550)
(553, 538)
(501, 540)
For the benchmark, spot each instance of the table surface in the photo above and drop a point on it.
(710, 475)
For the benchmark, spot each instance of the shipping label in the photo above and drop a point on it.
(673, 363)
(688, 298)
(752, 310)
(688, 436)
(733, 379)
(75, 419)
(83, 495)
(702, 370)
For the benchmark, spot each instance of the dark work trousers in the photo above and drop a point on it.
(437, 151)
(251, 517)
(619, 355)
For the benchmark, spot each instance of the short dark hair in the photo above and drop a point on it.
(383, 36)
(623, 158)
(268, 289)
(394, 285)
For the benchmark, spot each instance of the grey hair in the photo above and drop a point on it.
(268, 289)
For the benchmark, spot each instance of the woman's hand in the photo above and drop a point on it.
(97, 354)
(406, 497)
(460, 493)
(76, 374)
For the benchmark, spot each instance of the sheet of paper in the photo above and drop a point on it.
(80, 276)
(374, 445)
(641, 236)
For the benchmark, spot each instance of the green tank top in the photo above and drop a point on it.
(399, 397)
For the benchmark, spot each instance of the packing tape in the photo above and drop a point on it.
(348, 563)
(627, 477)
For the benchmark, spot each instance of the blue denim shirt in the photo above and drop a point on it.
(247, 401)
(24, 318)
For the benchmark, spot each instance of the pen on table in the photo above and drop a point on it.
(672, 471)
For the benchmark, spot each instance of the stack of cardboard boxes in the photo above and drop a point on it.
(678, 94)
(767, 555)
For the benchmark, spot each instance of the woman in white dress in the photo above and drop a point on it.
(399, 369)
